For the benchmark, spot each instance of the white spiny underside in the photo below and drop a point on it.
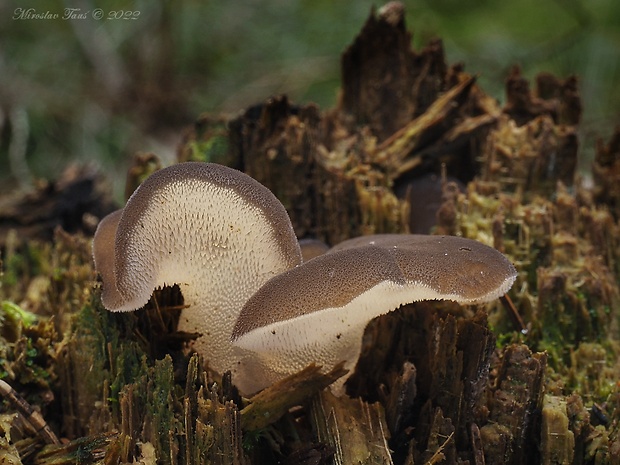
(218, 264)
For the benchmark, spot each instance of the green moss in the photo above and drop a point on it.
(507, 338)
(213, 150)
(13, 314)
(162, 426)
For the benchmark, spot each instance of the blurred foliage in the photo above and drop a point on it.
(100, 90)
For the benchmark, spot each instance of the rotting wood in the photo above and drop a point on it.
(606, 173)
(392, 153)
(31, 416)
(556, 98)
(91, 449)
(514, 417)
(270, 404)
(75, 202)
(356, 429)
(557, 440)
(388, 101)
(440, 447)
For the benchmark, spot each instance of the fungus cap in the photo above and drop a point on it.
(317, 312)
(174, 214)
(214, 231)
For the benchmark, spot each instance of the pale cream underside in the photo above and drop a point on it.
(217, 264)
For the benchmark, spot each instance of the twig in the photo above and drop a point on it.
(438, 455)
(34, 418)
(513, 313)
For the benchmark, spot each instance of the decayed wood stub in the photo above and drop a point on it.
(330, 195)
(557, 440)
(355, 429)
(451, 360)
(531, 158)
(535, 143)
(514, 417)
(554, 97)
(277, 144)
(75, 202)
(387, 101)
(606, 173)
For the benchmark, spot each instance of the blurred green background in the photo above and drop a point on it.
(92, 90)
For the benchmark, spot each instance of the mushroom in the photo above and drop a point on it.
(317, 312)
(214, 231)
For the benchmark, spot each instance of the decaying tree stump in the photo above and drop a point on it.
(529, 381)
